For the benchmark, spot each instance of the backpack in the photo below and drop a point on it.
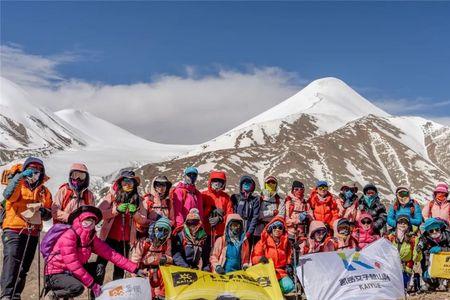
(412, 208)
(51, 237)
(7, 174)
(431, 208)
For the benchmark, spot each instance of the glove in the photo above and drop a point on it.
(263, 260)
(96, 289)
(275, 212)
(163, 260)
(435, 250)
(245, 267)
(122, 208)
(220, 270)
(27, 173)
(142, 273)
(302, 216)
(214, 221)
(289, 270)
(426, 275)
(132, 208)
(45, 213)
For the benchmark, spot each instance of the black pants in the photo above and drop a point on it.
(65, 285)
(13, 253)
(102, 263)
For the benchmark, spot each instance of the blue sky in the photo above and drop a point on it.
(394, 53)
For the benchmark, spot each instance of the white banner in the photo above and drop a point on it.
(127, 289)
(373, 273)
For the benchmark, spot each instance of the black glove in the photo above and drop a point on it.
(45, 213)
(163, 260)
(245, 267)
(289, 270)
(220, 270)
(263, 260)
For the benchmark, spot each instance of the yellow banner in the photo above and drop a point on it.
(257, 282)
(440, 265)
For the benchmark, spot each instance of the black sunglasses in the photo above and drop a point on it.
(366, 222)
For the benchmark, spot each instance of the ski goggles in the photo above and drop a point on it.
(322, 188)
(192, 222)
(278, 227)
(321, 231)
(366, 221)
(160, 184)
(78, 175)
(403, 194)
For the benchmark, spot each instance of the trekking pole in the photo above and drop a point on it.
(21, 261)
(123, 235)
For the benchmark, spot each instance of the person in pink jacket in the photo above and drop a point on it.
(348, 202)
(298, 213)
(186, 196)
(318, 239)
(67, 271)
(72, 194)
(343, 238)
(364, 232)
(439, 207)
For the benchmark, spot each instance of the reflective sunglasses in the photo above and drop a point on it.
(279, 227)
(434, 230)
(403, 194)
(78, 175)
(128, 181)
(322, 188)
(192, 222)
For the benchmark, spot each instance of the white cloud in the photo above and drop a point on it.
(171, 109)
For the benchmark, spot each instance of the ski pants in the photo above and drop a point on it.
(13, 253)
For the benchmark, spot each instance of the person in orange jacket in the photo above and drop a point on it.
(324, 204)
(274, 244)
(232, 250)
(216, 206)
(20, 233)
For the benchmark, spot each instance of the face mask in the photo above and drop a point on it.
(127, 185)
(271, 187)
(76, 183)
(441, 197)
(403, 200)
(217, 185)
(344, 231)
(236, 230)
(369, 199)
(247, 186)
(320, 235)
(348, 194)
(190, 178)
(299, 193)
(88, 224)
(33, 178)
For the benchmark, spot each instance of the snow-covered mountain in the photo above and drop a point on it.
(69, 136)
(327, 131)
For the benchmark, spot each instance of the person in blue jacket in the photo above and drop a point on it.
(404, 205)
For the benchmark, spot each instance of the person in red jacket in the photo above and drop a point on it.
(274, 244)
(319, 239)
(324, 204)
(216, 207)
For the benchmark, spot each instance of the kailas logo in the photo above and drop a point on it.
(356, 263)
(183, 278)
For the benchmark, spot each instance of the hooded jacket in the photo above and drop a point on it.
(411, 209)
(325, 210)
(377, 210)
(247, 207)
(362, 236)
(348, 209)
(294, 207)
(187, 249)
(213, 199)
(184, 198)
(426, 242)
(339, 243)
(436, 209)
(73, 249)
(310, 245)
(67, 199)
(218, 254)
(271, 206)
(108, 205)
(279, 253)
(18, 194)
(156, 205)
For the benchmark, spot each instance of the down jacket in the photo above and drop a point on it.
(247, 207)
(184, 197)
(280, 254)
(73, 249)
(365, 237)
(310, 245)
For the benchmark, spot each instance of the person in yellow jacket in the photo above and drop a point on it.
(27, 203)
(403, 238)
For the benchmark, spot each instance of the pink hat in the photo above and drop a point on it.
(441, 187)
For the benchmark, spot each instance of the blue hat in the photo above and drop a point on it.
(163, 222)
(321, 183)
(432, 223)
(274, 224)
(190, 169)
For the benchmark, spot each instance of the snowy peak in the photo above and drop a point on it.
(327, 96)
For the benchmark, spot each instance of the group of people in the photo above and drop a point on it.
(207, 230)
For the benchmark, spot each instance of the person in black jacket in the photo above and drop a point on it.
(188, 243)
(370, 203)
(247, 205)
